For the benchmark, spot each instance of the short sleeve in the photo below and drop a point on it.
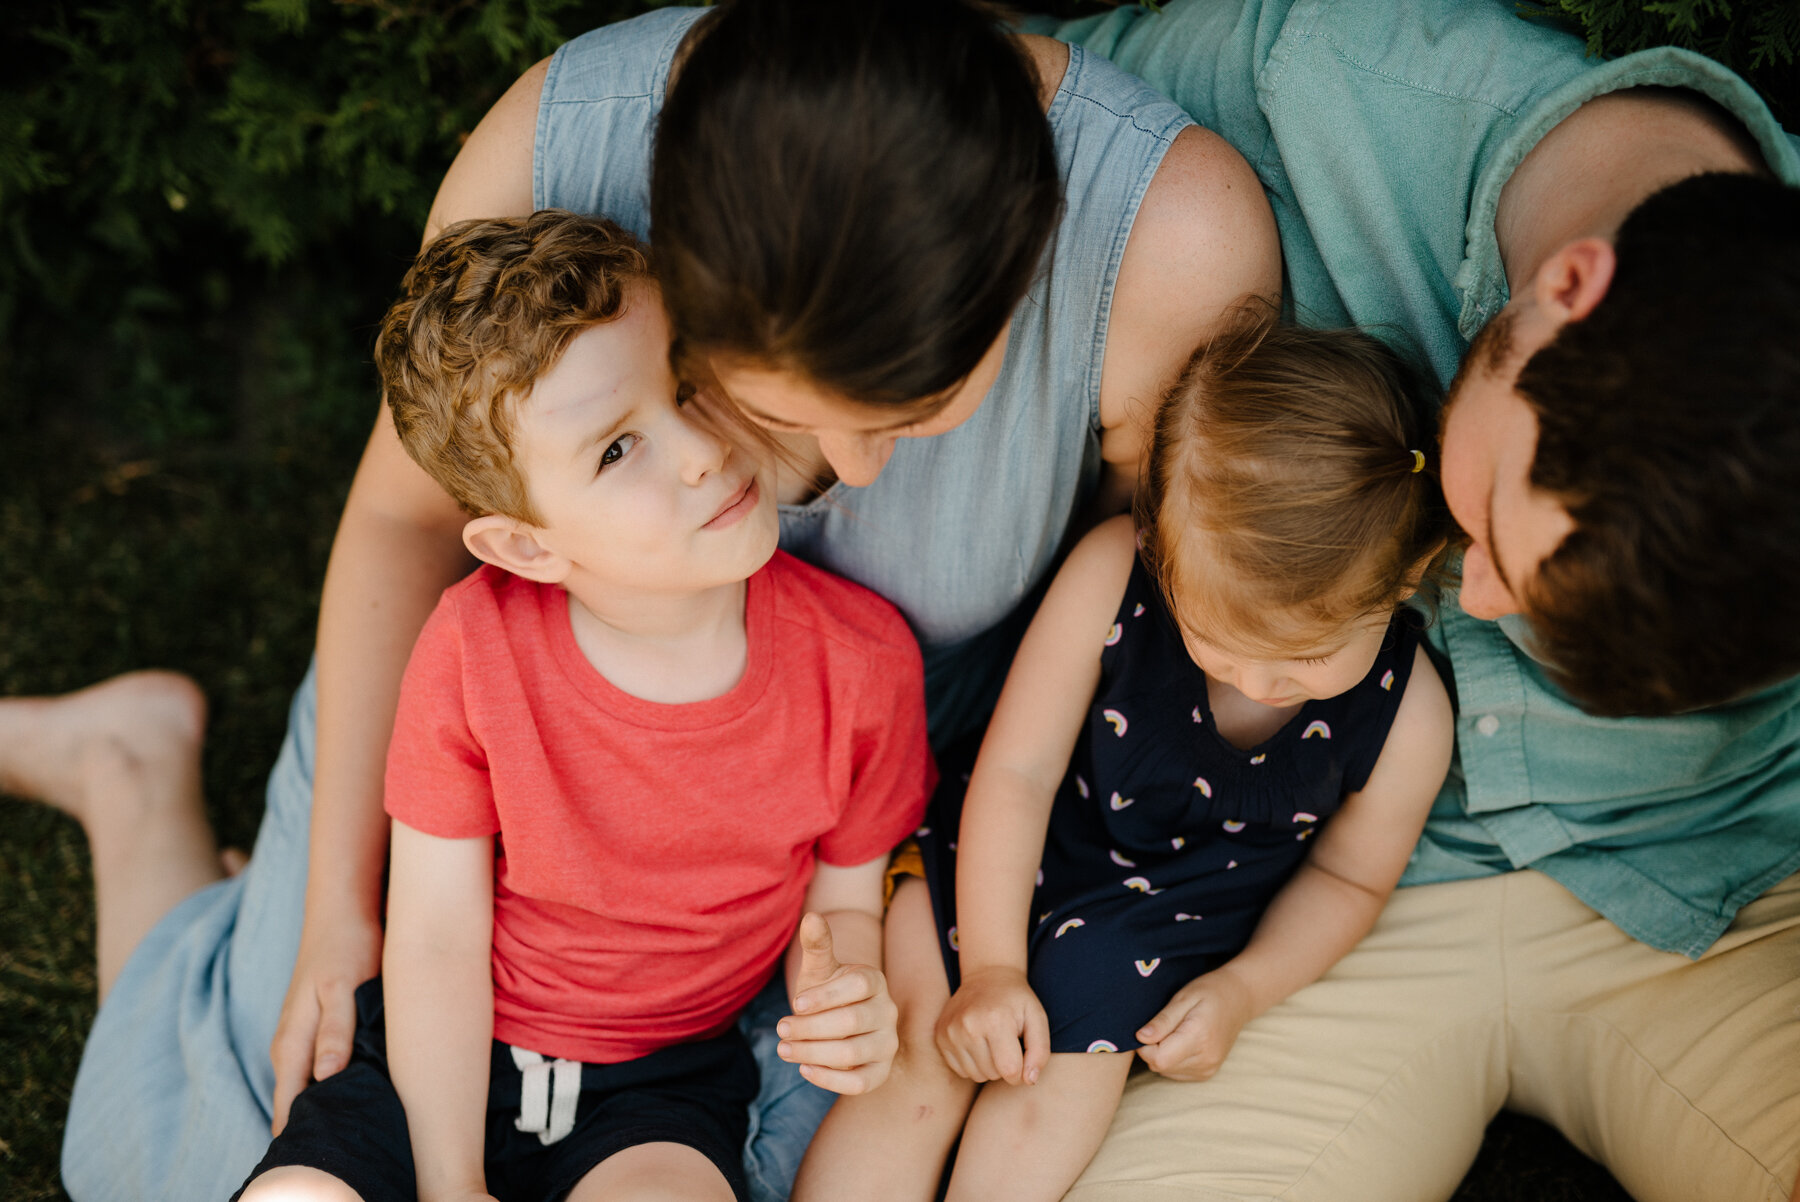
(437, 772)
(891, 773)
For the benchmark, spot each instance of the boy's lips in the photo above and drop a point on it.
(736, 507)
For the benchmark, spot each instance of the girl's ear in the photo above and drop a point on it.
(511, 544)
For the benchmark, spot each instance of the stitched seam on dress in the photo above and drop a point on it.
(1612, 1028)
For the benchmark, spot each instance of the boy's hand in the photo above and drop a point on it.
(1188, 1039)
(318, 1018)
(995, 1029)
(843, 1033)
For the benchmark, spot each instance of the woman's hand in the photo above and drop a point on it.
(995, 1029)
(846, 1028)
(1189, 1038)
(318, 1018)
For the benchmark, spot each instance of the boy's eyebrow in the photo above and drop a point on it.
(601, 436)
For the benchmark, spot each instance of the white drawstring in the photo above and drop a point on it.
(547, 1095)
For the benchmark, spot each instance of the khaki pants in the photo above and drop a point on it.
(1375, 1083)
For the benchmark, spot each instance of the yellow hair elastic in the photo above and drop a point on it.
(1418, 462)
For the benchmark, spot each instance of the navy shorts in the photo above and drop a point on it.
(352, 1126)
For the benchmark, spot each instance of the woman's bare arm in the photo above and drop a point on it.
(1204, 239)
(398, 546)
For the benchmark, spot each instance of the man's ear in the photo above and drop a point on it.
(511, 544)
(1575, 279)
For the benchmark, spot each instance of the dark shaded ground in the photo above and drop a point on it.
(208, 558)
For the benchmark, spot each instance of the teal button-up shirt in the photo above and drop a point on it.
(1383, 133)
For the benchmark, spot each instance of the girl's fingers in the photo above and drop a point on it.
(1037, 1043)
(1008, 1060)
(1167, 1019)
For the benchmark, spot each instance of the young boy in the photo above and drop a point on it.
(629, 753)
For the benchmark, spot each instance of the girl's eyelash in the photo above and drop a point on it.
(1317, 661)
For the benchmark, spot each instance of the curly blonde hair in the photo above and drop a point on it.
(486, 309)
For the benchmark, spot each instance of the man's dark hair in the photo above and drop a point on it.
(859, 191)
(1669, 426)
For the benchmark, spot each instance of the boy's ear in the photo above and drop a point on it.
(511, 544)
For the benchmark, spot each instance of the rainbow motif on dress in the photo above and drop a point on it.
(1116, 720)
(1316, 727)
(1387, 680)
(1113, 635)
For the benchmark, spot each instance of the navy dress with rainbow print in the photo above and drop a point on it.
(1166, 842)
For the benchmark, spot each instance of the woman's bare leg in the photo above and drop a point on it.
(1030, 1142)
(123, 758)
(890, 1144)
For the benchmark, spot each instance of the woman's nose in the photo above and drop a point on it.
(857, 458)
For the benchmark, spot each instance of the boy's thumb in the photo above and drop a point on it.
(817, 962)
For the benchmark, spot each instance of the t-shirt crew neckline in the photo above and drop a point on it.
(759, 662)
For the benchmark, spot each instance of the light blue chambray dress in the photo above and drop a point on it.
(174, 1092)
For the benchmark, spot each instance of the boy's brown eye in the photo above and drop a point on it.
(615, 451)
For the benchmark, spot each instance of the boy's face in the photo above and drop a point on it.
(636, 493)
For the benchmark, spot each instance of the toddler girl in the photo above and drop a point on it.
(1213, 755)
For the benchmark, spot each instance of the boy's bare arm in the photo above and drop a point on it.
(843, 1032)
(398, 545)
(439, 996)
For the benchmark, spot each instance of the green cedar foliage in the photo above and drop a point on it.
(1756, 38)
(197, 193)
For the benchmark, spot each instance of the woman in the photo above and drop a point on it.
(950, 267)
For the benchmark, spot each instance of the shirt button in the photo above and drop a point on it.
(1487, 724)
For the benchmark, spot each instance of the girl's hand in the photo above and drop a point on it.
(1188, 1039)
(995, 1029)
(318, 1017)
(845, 1032)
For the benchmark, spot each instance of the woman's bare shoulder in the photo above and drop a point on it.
(491, 175)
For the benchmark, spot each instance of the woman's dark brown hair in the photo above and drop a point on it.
(858, 191)
(1290, 487)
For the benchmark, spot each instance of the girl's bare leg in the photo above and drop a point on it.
(1030, 1142)
(890, 1145)
(123, 758)
(654, 1173)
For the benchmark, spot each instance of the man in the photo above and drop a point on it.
(1618, 448)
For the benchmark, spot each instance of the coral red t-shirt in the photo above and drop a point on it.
(652, 860)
